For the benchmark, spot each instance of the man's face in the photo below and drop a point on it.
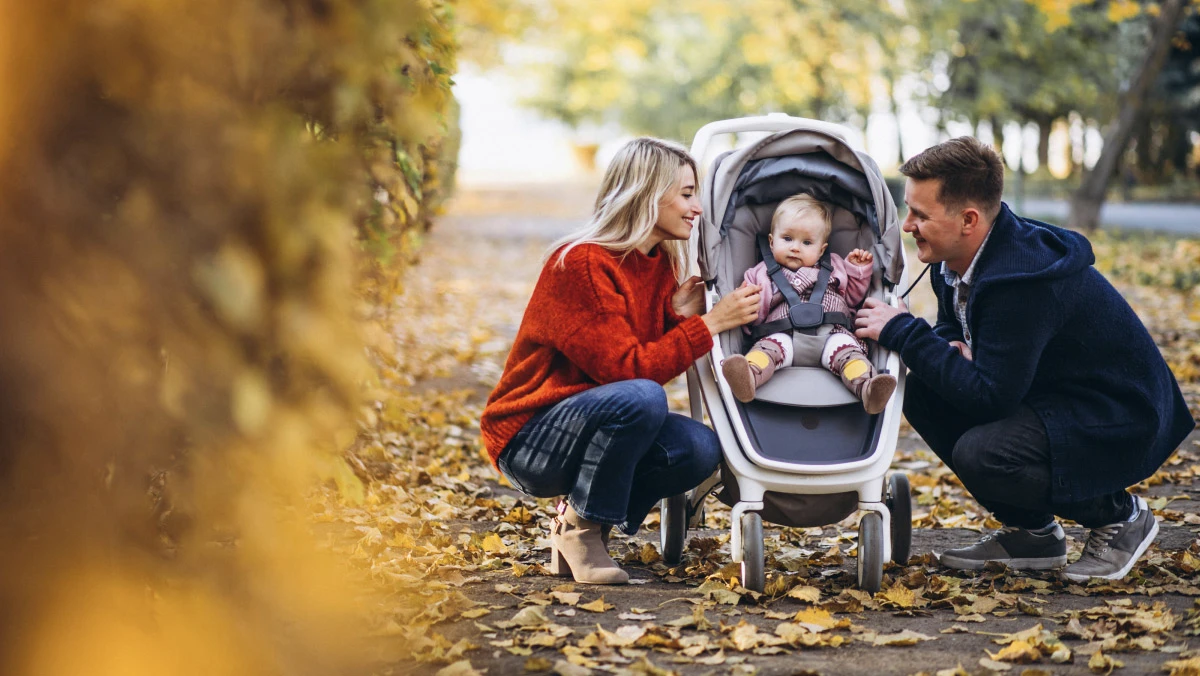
(938, 232)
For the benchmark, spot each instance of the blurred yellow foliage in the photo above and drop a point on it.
(190, 189)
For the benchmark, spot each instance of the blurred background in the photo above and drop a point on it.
(216, 451)
(1044, 81)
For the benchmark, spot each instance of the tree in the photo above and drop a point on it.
(1087, 200)
(1019, 60)
(666, 68)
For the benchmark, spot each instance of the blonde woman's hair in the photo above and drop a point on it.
(640, 177)
(799, 205)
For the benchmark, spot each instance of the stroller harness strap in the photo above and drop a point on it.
(804, 316)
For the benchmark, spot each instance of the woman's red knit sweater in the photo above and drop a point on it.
(602, 317)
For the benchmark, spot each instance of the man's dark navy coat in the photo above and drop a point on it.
(1050, 332)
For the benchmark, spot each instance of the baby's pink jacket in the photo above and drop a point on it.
(848, 285)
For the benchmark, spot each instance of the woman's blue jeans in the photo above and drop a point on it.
(613, 451)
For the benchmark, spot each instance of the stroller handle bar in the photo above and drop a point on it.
(763, 123)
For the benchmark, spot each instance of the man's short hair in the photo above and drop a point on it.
(970, 171)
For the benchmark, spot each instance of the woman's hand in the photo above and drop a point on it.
(689, 299)
(736, 309)
(860, 257)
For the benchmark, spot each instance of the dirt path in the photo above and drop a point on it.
(484, 257)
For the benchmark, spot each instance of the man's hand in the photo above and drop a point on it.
(963, 349)
(860, 257)
(874, 315)
(689, 299)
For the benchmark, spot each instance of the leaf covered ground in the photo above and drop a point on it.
(460, 556)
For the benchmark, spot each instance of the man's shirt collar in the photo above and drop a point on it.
(953, 279)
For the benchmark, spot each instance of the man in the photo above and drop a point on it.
(1038, 385)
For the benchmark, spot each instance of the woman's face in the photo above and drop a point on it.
(677, 213)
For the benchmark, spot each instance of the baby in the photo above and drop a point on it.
(800, 231)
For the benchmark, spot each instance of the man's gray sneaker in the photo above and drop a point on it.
(1112, 550)
(1016, 548)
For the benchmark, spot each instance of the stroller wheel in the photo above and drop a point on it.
(673, 528)
(753, 574)
(870, 552)
(899, 503)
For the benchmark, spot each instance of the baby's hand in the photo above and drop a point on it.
(860, 257)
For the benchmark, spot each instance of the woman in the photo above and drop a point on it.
(580, 410)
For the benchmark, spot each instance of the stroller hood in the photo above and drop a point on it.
(781, 165)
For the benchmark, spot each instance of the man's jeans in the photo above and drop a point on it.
(1004, 464)
(613, 451)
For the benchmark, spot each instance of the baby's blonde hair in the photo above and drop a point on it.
(798, 205)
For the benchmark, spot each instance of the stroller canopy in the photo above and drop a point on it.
(744, 186)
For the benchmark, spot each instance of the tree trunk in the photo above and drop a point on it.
(998, 136)
(894, 109)
(1143, 142)
(1086, 202)
(1178, 146)
(1045, 125)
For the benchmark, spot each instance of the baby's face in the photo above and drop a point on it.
(799, 241)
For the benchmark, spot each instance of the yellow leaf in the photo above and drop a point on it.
(475, 613)
(649, 554)
(460, 668)
(803, 593)
(906, 637)
(492, 544)
(1103, 664)
(901, 596)
(566, 598)
(597, 606)
(529, 617)
(1017, 652)
(816, 616)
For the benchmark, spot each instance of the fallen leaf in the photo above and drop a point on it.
(1188, 667)
(805, 593)
(712, 660)
(564, 668)
(904, 638)
(531, 616)
(649, 554)
(717, 591)
(900, 596)
(817, 616)
(566, 598)
(597, 606)
(493, 544)
(1017, 652)
(460, 668)
(1103, 664)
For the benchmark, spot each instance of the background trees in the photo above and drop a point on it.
(666, 68)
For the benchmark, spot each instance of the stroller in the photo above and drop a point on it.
(804, 452)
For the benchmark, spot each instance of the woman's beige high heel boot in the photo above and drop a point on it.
(577, 550)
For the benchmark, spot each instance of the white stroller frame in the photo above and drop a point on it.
(757, 474)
